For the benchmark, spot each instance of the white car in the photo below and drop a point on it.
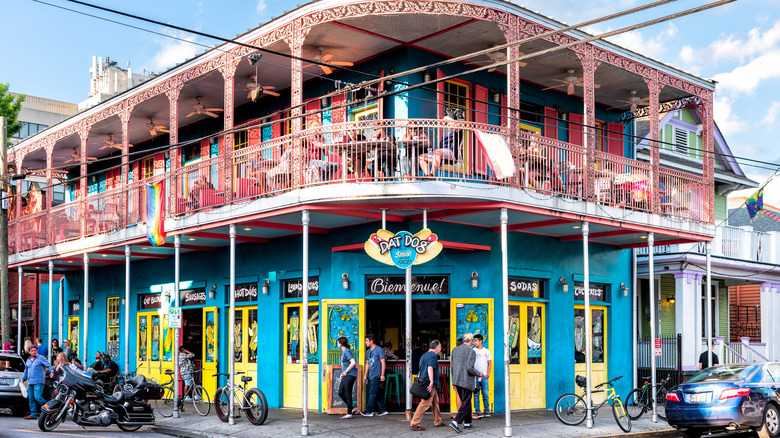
(11, 371)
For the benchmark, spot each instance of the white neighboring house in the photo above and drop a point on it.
(107, 79)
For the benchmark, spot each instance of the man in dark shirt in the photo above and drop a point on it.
(98, 365)
(429, 367)
(704, 361)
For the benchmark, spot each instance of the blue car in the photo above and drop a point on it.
(728, 397)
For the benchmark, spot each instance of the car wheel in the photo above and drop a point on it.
(770, 427)
(691, 433)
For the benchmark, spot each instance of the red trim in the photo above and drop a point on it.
(551, 123)
(351, 247)
(288, 227)
(539, 224)
(598, 235)
(366, 215)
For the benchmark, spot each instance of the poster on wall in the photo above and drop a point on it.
(155, 356)
(210, 337)
(293, 334)
(238, 344)
(343, 321)
(252, 335)
(167, 340)
(314, 335)
(403, 249)
(142, 350)
(472, 318)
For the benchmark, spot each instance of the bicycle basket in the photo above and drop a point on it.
(580, 381)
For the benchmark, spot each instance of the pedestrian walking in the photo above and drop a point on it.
(26, 350)
(55, 350)
(429, 367)
(348, 376)
(69, 354)
(42, 350)
(373, 377)
(186, 369)
(483, 364)
(704, 360)
(463, 374)
(35, 371)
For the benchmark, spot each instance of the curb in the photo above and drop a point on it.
(183, 433)
(643, 434)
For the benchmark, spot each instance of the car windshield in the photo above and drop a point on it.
(723, 374)
(12, 364)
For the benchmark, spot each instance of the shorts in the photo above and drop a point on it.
(187, 377)
(446, 154)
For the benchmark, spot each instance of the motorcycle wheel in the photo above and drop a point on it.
(128, 428)
(48, 421)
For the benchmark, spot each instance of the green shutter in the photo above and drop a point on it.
(693, 145)
(721, 208)
(723, 310)
(668, 323)
(668, 137)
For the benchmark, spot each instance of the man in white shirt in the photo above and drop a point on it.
(483, 364)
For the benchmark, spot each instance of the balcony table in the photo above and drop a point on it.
(355, 147)
(414, 146)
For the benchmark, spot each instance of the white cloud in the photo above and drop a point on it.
(728, 122)
(174, 51)
(654, 46)
(733, 48)
(261, 7)
(771, 116)
(746, 78)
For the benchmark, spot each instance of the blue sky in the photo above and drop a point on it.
(48, 51)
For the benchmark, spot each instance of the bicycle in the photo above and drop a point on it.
(118, 382)
(200, 398)
(252, 401)
(571, 409)
(639, 400)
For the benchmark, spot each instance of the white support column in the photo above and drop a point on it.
(176, 295)
(51, 303)
(127, 309)
(408, 339)
(504, 218)
(651, 275)
(635, 314)
(19, 345)
(708, 303)
(305, 329)
(85, 328)
(60, 306)
(232, 319)
(588, 329)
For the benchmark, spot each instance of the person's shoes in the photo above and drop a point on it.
(346, 417)
(355, 411)
(367, 414)
(439, 425)
(467, 426)
(480, 415)
(381, 414)
(29, 417)
(188, 398)
(416, 427)
(455, 427)
(487, 414)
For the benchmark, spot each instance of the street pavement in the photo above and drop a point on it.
(18, 427)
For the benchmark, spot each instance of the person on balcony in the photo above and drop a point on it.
(413, 134)
(314, 147)
(381, 160)
(449, 148)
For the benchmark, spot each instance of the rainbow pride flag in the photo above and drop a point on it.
(155, 213)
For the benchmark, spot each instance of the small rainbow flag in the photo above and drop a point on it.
(755, 203)
(155, 213)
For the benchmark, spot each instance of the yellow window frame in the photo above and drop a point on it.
(112, 316)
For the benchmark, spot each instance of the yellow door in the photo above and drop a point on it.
(341, 318)
(245, 346)
(155, 343)
(210, 351)
(473, 316)
(599, 332)
(292, 326)
(73, 334)
(143, 343)
(526, 360)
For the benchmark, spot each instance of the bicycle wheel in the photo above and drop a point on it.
(256, 406)
(570, 409)
(201, 400)
(636, 404)
(165, 405)
(621, 415)
(661, 403)
(222, 404)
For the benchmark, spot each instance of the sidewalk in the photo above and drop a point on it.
(287, 423)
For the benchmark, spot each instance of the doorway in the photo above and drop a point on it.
(293, 366)
(527, 355)
(599, 350)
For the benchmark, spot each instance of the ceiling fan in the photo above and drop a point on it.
(110, 143)
(569, 82)
(634, 102)
(199, 108)
(76, 156)
(327, 59)
(256, 90)
(499, 56)
(153, 127)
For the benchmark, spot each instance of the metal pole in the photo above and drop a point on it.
(127, 309)
(708, 303)
(634, 318)
(59, 310)
(504, 218)
(384, 219)
(651, 275)
(85, 328)
(51, 303)
(5, 304)
(305, 323)
(19, 311)
(176, 269)
(408, 340)
(588, 329)
(232, 319)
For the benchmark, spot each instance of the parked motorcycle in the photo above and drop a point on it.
(79, 398)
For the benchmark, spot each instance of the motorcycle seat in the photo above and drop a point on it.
(118, 397)
(138, 380)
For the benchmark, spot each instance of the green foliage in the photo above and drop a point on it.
(10, 107)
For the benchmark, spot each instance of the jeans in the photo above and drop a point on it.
(484, 389)
(345, 391)
(464, 413)
(35, 397)
(375, 396)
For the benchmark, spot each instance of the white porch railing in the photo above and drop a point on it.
(735, 242)
(743, 351)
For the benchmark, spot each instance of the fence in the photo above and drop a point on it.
(669, 364)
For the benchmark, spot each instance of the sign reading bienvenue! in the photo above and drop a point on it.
(403, 249)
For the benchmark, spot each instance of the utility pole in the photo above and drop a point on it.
(5, 312)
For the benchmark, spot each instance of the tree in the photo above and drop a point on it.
(10, 107)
